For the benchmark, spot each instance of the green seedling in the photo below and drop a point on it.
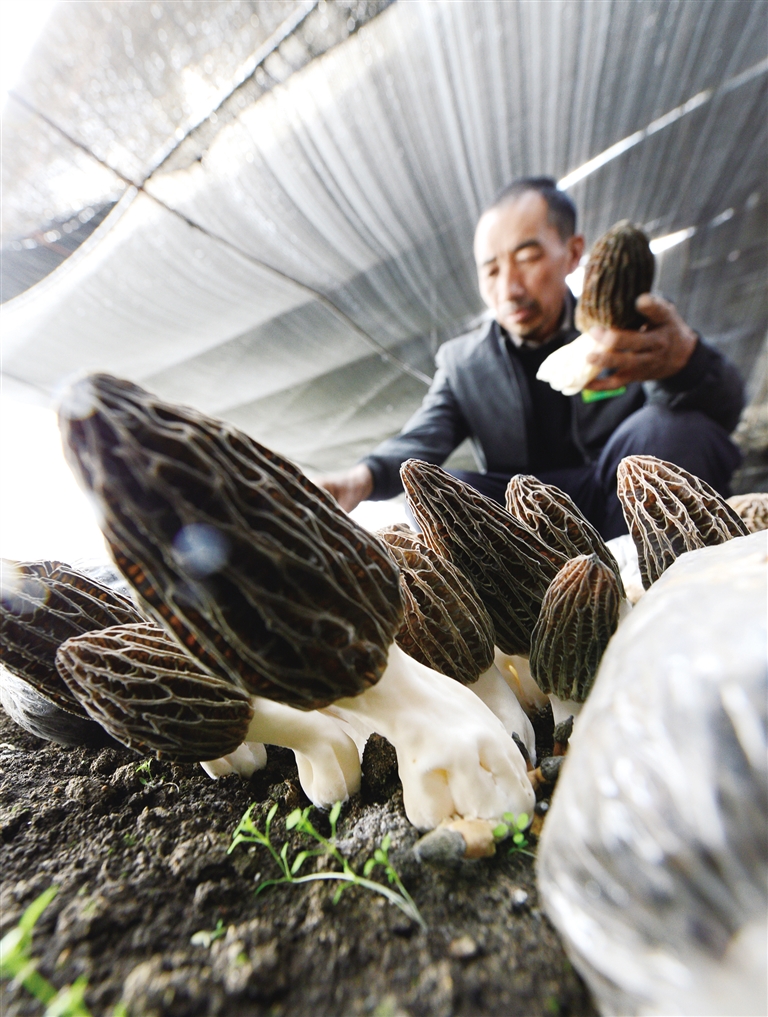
(514, 827)
(144, 772)
(248, 833)
(205, 936)
(17, 963)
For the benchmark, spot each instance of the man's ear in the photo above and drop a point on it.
(575, 246)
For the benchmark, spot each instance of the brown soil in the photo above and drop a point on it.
(141, 865)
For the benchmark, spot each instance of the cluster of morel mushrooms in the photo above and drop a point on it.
(264, 614)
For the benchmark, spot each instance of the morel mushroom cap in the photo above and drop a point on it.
(557, 520)
(507, 562)
(148, 694)
(669, 511)
(579, 615)
(620, 267)
(252, 568)
(42, 604)
(752, 509)
(445, 625)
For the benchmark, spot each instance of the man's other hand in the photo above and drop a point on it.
(658, 350)
(350, 487)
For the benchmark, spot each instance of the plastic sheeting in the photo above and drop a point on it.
(653, 863)
(293, 264)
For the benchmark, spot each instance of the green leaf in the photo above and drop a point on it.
(369, 866)
(339, 892)
(294, 819)
(270, 814)
(298, 861)
(500, 831)
(509, 817)
(36, 908)
(386, 843)
(518, 838)
(522, 821)
(335, 813)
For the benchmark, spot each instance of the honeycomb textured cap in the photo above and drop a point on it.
(148, 694)
(579, 614)
(42, 603)
(253, 569)
(506, 561)
(752, 509)
(669, 511)
(620, 267)
(445, 624)
(557, 520)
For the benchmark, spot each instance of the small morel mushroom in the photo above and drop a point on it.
(752, 509)
(262, 578)
(446, 627)
(557, 520)
(150, 695)
(579, 615)
(43, 603)
(669, 512)
(508, 564)
(620, 268)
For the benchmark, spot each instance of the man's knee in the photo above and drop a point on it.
(688, 438)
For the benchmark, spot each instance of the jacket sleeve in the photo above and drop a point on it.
(432, 433)
(708, 382)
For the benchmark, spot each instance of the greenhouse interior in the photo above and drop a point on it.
(240, 249)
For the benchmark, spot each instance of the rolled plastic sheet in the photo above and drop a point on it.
(653, 864)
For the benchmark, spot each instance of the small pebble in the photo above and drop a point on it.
(440, 847)
(462, 948)
(519, 897)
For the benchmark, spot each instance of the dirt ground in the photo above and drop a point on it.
(140, 859)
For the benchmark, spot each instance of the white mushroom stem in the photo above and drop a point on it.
(327, 758)
(516, 673)
(569, 369)
(502, 702)
(562, 709)
(454, 756)
(245, 760)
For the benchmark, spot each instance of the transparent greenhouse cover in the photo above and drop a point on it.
(278, 198)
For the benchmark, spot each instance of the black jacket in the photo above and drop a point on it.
(479, 391)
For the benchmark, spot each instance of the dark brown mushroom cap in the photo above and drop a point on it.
(252, 568)
(557, 520)
(42, 604)
(669, 511)
(445, 625)
(579, 614)
(752, 509)
(508, 564)
(620, 268)
(147, 693)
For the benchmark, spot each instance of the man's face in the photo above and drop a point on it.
(522, 263)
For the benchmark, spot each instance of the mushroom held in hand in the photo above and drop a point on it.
(42, 604)
(620, 268)
(669, 511)
(150, 695)
(446, 627)
(262, 578)
(752, 509)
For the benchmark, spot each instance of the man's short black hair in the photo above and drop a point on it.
(562, 211)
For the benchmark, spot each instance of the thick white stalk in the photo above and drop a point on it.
(454, 756)
(516, 672)
(562, 709)
(327, 758)
(245, 760)
(502, 702)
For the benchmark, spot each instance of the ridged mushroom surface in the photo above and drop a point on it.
(445, 625)
(557, 520)
(579, 615)
(752, 509)
(44, 603)
(254, 570)
(508, 564)
(669, 511)
(147, 693)
(620, 267)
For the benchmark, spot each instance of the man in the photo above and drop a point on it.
(486, 388)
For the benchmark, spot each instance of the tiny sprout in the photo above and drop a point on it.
(514, 827)
(205, 936)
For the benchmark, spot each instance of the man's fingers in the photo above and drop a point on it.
(622, 343)
(656, 309)
(625, 368)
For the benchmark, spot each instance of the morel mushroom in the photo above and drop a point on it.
(151, 695)
(42, 604)
(506, 561)
(752, 509)
(446, 627)
(579, 614)
(557, 520)
(267, 583)
(620, 268)
(669, 511)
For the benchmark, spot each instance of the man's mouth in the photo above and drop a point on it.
(519, 312)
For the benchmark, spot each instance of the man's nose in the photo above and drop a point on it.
(511, 279)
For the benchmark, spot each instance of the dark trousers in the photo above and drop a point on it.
(687, 438)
